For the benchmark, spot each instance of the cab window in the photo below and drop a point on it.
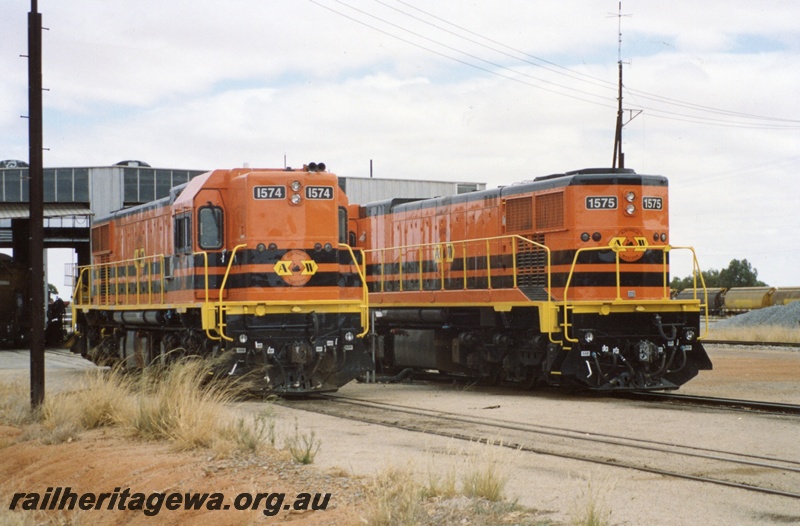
(343, 225)
(209, 227)
(183, 233)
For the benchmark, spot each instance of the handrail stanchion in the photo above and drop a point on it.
(400, 255)
(488, 265)
(441, 262)
(222, 290)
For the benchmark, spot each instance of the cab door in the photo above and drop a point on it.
(211, 256)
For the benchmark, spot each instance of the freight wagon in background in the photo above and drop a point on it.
(784, 296)
(736, 300)
(716, 297)
(743, 299)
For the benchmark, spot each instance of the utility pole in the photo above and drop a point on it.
(36, 172)
(618, 155)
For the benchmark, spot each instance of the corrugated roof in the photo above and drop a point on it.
(22, 210)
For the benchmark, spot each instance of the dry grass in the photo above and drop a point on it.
(177, 404)
(764, 333)
(397, 498)
(590, 507)
(181, 406)
(15, 404)
(400, 496)
(486, 475)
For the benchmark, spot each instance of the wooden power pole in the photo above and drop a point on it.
(36, 172)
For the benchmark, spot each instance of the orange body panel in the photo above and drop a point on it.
(554, 213)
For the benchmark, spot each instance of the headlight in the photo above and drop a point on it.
(689, 335)
(349, 336)
(588, 337)
(630, 196)
(630, 209)
(242, 338)
(296, 186)
(296, 199)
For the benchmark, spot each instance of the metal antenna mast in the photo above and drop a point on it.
(618, 155)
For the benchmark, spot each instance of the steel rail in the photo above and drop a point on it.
(752, 344)
(710, 401)
(792, 466)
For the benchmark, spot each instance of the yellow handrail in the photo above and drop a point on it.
(105, 297)
(364, 289)
(206, 307)
(221, 324)
(441, 248)
(665, 249)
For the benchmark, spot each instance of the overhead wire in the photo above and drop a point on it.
(574, 74)
(734, 119)
(577, 75)
(470, 64)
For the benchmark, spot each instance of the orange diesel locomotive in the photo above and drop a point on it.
(250, 264)
(563, 280)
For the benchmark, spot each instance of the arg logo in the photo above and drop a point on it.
(296, 268)
(630, 244)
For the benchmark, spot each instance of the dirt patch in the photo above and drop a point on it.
(105, 461)
(769, 375)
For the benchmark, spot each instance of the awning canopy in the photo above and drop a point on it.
(22, 210)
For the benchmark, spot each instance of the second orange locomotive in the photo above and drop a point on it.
(562, 280)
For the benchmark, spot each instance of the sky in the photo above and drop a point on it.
(494, 91)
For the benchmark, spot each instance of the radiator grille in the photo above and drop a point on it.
(550, 211)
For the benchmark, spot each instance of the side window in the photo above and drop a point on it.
(209, 224)
(343, 225)
(183, 233)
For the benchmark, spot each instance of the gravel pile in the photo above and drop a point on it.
(778, 316)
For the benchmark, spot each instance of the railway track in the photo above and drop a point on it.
(745, 471)
(789, 345)
(710, 401)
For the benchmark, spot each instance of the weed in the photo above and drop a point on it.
(303, 448)
(249, 434)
